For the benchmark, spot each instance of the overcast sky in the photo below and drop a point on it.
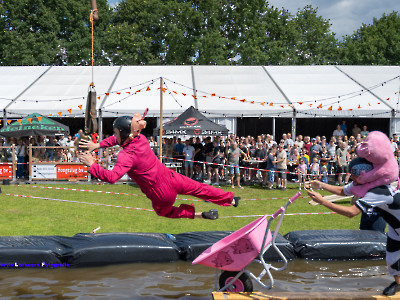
(346, 16)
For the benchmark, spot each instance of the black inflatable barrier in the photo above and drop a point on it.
(99, 249)
(192, 244)
(26, 250)
(338, 244)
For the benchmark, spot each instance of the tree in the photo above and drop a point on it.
(47, 32)
(374, 44)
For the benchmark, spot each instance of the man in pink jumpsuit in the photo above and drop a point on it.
(160, 184)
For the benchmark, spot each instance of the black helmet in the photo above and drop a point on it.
(123, 124)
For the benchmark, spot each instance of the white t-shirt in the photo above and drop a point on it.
(188, 151)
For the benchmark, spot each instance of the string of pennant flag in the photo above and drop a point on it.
(147, 86)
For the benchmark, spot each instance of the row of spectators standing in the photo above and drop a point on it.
(304, 156)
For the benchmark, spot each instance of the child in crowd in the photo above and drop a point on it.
(302, 171)
(324, 174)
(314, 169)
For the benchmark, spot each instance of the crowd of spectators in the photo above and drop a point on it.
(270, 162)
(233, 159)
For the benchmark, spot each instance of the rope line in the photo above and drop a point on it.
(145, 209)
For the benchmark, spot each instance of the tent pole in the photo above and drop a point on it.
(5, 117)
(294, 125)
(161, 118)
(273, 128)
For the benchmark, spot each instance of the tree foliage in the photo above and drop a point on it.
(374, 44)
(176, 32)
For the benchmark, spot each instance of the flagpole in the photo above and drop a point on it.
(161, 118)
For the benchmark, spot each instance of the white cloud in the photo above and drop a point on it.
(346, 16)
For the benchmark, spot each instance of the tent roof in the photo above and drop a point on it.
(192, 122)
(323, 91)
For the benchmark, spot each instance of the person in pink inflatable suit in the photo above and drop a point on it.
(160, 184)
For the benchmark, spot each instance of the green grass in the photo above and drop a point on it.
(29, 216)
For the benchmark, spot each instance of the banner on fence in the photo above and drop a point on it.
(59, 171)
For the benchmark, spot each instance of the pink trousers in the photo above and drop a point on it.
(163, 195)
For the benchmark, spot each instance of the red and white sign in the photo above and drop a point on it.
(6, 171)
(59, 171)
(72, 171)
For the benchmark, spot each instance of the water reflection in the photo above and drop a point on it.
(181, 280)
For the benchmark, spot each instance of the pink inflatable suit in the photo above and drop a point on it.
(377, 149)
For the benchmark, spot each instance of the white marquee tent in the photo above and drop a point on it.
(224, 92)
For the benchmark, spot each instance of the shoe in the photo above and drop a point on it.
(236, 199)
(232, 186)
(212, 214)
(270, 188)
(392, 289)
(240, 187)
(216, 183)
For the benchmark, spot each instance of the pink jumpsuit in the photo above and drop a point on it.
(160, 184)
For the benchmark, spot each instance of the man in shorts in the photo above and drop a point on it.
(342, 159)
(234, 154)
(281, 167)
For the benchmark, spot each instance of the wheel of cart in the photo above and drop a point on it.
(231, 255)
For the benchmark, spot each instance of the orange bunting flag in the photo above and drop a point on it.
(271, 104)
(359, 106)
(213, 94)
(118, 93)
(39, 119)
(320, 106)
(70, 110)
(330, 108)
(138, 91)
(369, 104)
(340, 108)
(30, 120)
(128, 93)
(282, 106)
(107, 94)
(148, 89)
(388, 99)
(183, 94)
(98, 97)
(194, 97)
(379, 103)
(350, 109)
(243, 100)
(164, 90)
(204, 96)
(300, 103)
(263, 103)
(19, 121)
(60, 113)
(252, 102)
(175, 92)
(80, 106)
(309, 105)
(8, 121)
(233, 98)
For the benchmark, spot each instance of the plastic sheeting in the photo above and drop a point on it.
(338, 244)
